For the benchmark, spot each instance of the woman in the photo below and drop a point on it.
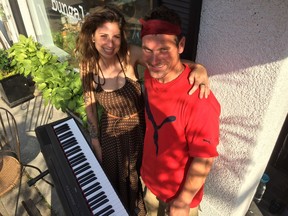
(109, 80)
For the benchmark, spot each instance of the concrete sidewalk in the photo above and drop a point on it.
(42, 194)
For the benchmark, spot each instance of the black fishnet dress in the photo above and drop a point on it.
(122, 135)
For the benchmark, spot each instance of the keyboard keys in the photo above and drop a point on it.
(100, 195)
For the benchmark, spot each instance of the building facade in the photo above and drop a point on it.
(244, 46)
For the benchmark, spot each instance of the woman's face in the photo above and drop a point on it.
(107, 39)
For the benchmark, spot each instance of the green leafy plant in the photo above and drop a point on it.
(6, 69)
(58, 81)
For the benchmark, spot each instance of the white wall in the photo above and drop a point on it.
(244, 46)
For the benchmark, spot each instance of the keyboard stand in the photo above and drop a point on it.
(37, 178)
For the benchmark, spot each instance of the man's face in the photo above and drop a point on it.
(161, 55)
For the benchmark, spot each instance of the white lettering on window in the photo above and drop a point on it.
(74, 12)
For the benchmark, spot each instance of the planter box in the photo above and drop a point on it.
(16, 89)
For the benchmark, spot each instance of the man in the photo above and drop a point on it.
(182, 131)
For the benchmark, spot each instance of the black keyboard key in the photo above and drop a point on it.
(62, 129)
(92, 199)
(72, 151)
(92, 190)
(88, 180)
(93, 186)
(69, 143)
(101, 202)
(107, 208)
(80, 178)
(76, 160)
(109, 212)
(104, 209)
(81, 168)
(81, 160)
(65, 135)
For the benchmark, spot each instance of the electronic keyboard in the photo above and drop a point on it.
(80, 182)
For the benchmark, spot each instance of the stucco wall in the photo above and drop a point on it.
(244, 46)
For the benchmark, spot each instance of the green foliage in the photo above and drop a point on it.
(66, 42)
(6, 69)
(58, 39)
(59, 83)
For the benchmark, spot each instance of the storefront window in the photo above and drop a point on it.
(57, 22)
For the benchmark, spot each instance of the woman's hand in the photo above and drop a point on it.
(97, 149)
(199, 79)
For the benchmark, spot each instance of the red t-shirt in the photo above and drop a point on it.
(178, 127)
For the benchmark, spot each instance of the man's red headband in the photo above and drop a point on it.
(159, 27)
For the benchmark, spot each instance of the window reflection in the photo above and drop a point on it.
(65, 17)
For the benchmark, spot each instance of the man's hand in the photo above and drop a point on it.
(199, 79)
(178, 208)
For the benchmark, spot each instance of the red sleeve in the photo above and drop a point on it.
(202, 129)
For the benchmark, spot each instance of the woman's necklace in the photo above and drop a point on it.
(102, 74)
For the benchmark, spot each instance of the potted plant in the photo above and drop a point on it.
(58, 82)
(14, 87)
